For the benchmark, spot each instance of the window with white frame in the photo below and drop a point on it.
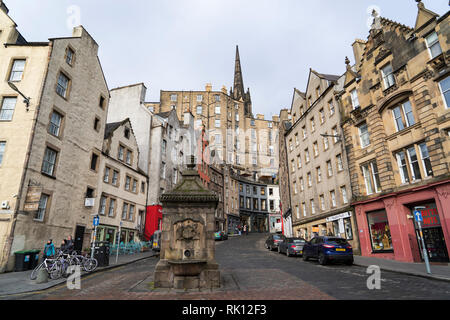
(17, 70)
(217, 109)
(333, 198)
(433, 45)
(217, 123)
(199, 109)
(302, 184)
(322, 202)
(414, 163)
(364, 135)
(371, 178)
(304, 208)
(335, 135)
(316, 149)
(329, 169)
(299, 161)
(199, 97)
(102, 207)
(62, 86)
(297, 210)
(403, 166)
(313, 206)
(173, 97)
(309, 179)
(297, 142)
(124, 211)
(355, 100)
(307, 155)
(344, 195)
(2, 150)
(55, 123)
(322, 116)
(304, 133)
(293, 166)
(7, 109)
(106, 175)
(403, 116)
(319, 174)
(70, 55)
(295, 188)
(331, 107)
(426, 163)
(445, 89)
(313, 125)
(340, 164)
(388, 76)
(111, 209)
(217, 98)
(326, 144)
(49, 162)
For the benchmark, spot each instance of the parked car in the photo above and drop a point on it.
(292, 246)
(220, 236)
(157, 240)
(327, 249)
(273, 241)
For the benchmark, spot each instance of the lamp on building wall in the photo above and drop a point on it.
(332, 136)
(26, 100)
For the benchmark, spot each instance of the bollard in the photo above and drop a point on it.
(42, 276)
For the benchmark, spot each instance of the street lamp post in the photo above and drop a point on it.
(26, 100)
(419, 219)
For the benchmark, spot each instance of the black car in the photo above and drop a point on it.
(273, 241)
(292, 246)
(328, 249)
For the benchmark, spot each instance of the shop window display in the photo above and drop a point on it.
(380, 233)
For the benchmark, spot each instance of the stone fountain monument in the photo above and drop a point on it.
(187, 257)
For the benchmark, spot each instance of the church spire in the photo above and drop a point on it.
(238, 88)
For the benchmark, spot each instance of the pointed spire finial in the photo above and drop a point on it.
(420, 4)
(238, 88)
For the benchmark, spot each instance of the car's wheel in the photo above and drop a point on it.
(322, 259)
(305, 257)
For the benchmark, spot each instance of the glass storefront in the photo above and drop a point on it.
(380, 233)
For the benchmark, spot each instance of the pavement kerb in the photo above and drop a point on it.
(82, 275)
(427, 276)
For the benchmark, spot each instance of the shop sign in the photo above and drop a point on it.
(32, 199)
(344, 215)
(315, 229)
(430, 216)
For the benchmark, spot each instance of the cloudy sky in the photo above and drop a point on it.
(184, 44)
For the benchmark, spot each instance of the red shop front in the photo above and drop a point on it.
(387, 228)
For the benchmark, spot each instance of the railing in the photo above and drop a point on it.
(130, 248)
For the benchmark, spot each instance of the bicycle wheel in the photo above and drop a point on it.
(55, 271)
(34, 274)
(90, 264)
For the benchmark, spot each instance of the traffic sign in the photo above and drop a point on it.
(96, 221)
(418, 216)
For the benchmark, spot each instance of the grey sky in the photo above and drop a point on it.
(184, 44)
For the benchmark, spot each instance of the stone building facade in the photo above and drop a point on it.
(317, 163)
(231, 200)
(238, 138)
(122, 196)
(396, 119)
(253, 209)
(216, 185)
(47, 146)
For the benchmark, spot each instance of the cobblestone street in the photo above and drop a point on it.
(250, 272)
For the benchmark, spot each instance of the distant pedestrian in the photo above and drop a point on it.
(245, 230)
(49, 250)
(70, 244)
(63, 248)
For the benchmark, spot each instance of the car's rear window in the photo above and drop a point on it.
(277, 237)
(337, 241)
(293, 240)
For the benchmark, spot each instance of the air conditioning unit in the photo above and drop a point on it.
(5, 205)
(89, 202)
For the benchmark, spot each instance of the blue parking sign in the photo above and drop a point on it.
(96, 221)
(418, 216)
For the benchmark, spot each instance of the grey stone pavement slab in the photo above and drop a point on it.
(438, 271)
(20, 282)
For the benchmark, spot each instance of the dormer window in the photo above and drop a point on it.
(355, 100)
(388, 76)
(433, 45)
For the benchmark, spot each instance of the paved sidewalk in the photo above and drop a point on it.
(20, 282)
(438, 272)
